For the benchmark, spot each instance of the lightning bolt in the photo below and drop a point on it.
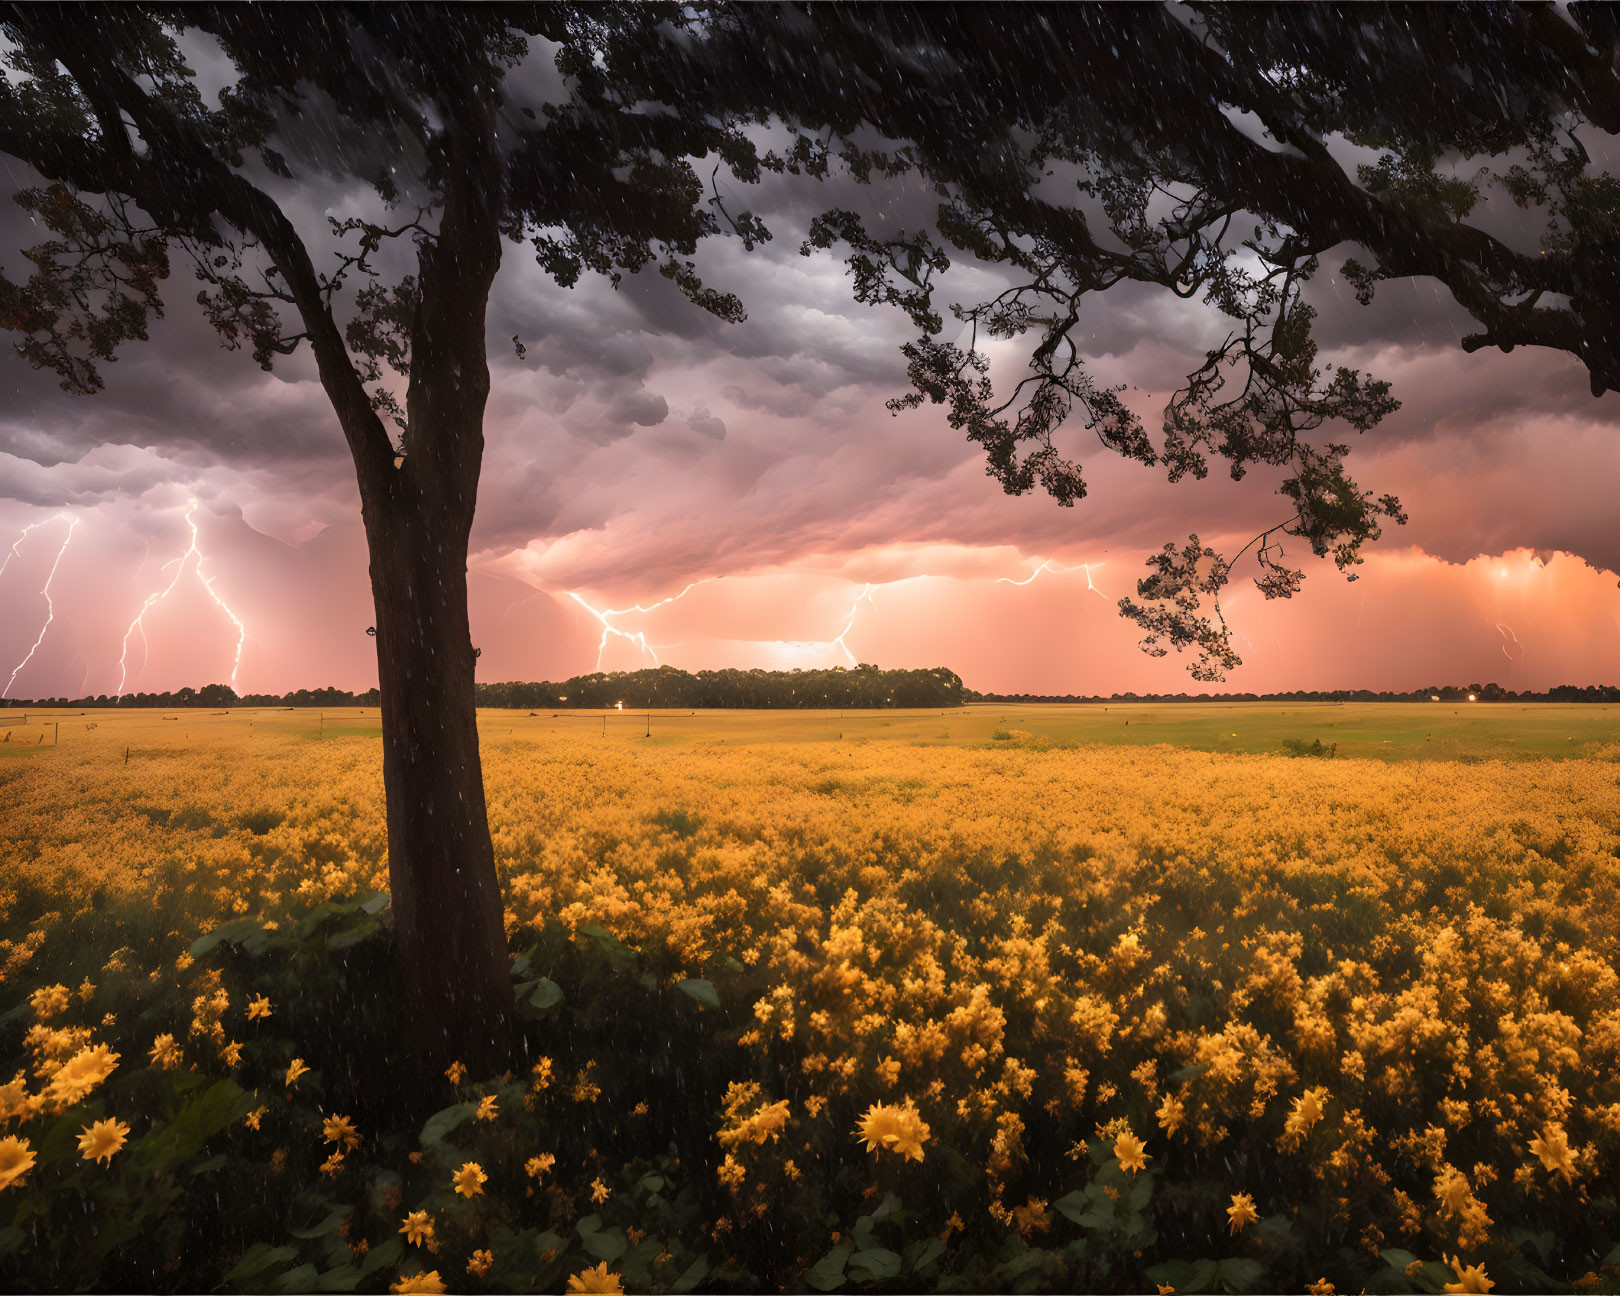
(1509, 639)
(639, 638)
(50, 607)
(865, 596)
(13, 552)
(1052, 566)
(179, 565)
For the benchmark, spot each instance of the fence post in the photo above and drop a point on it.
(56, 737)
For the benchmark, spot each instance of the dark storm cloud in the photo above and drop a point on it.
(651, 442)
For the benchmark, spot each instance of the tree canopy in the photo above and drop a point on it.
(1218, 153)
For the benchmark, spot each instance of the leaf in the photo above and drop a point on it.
(22, 1010)
(1141, 1192)
(1240, 1273)
(590, 1224)
(1613, 1258)
(1024, 1263)
(1186, 1275)
(442, 1122)
(257, 1263)
(301, 1279)
(10, 1240)
(1187, 1073)
(694, 1274)
(932, 1250)
(615, 949)
(607, 1245)
(876, 1263)
(386, 1256)
(342, 1279)
(377, 903)
(547, 995)
(234, 932)
(353, 932)
(828, 1272)
(1398, 1259)
(209, 1163)
(652, 1183)
(701, 990)
(1072, 1206)
(220, 1105)
(328, 1225)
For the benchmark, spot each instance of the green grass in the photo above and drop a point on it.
(1376, 730)
(1382, 731)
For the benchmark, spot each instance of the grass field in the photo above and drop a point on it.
(1378, 731)
(1113, 1007)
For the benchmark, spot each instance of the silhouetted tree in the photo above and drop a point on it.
(132, 166)
(1215, 152)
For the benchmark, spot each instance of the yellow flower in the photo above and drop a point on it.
(231, 1054)
(340, 1129)
(900, 1130)
(428, 1282)
(15, 1100)
(258, 1007)
(470, 1179)
(536, 1166)
(48, 1001)
(599, 1191)
(1470, 1279)
(1553, 1149)
(480, 1262)
(99, 1141)
(15, 1160)
(165, 1052)
(596, 1279)
(455, 1071)
(1131, 1151)
(486, 1108)
(417, 1228)
(1172, 1112)
(1241, 1211)
(296, 1070)
(1307, 1111)
(333, 1164)
(79, 1075)
(251, 1120)
(731, 1173)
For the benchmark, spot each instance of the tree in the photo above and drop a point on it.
(135, 167)
(1216, 152)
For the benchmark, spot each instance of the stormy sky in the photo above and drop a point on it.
(640, 448)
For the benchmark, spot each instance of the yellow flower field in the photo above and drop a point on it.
(986, 1017)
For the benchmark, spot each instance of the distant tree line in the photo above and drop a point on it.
(1435, 693)
(864, 686)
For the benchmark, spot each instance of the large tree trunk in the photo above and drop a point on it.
(441, 868)
(448, 912)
